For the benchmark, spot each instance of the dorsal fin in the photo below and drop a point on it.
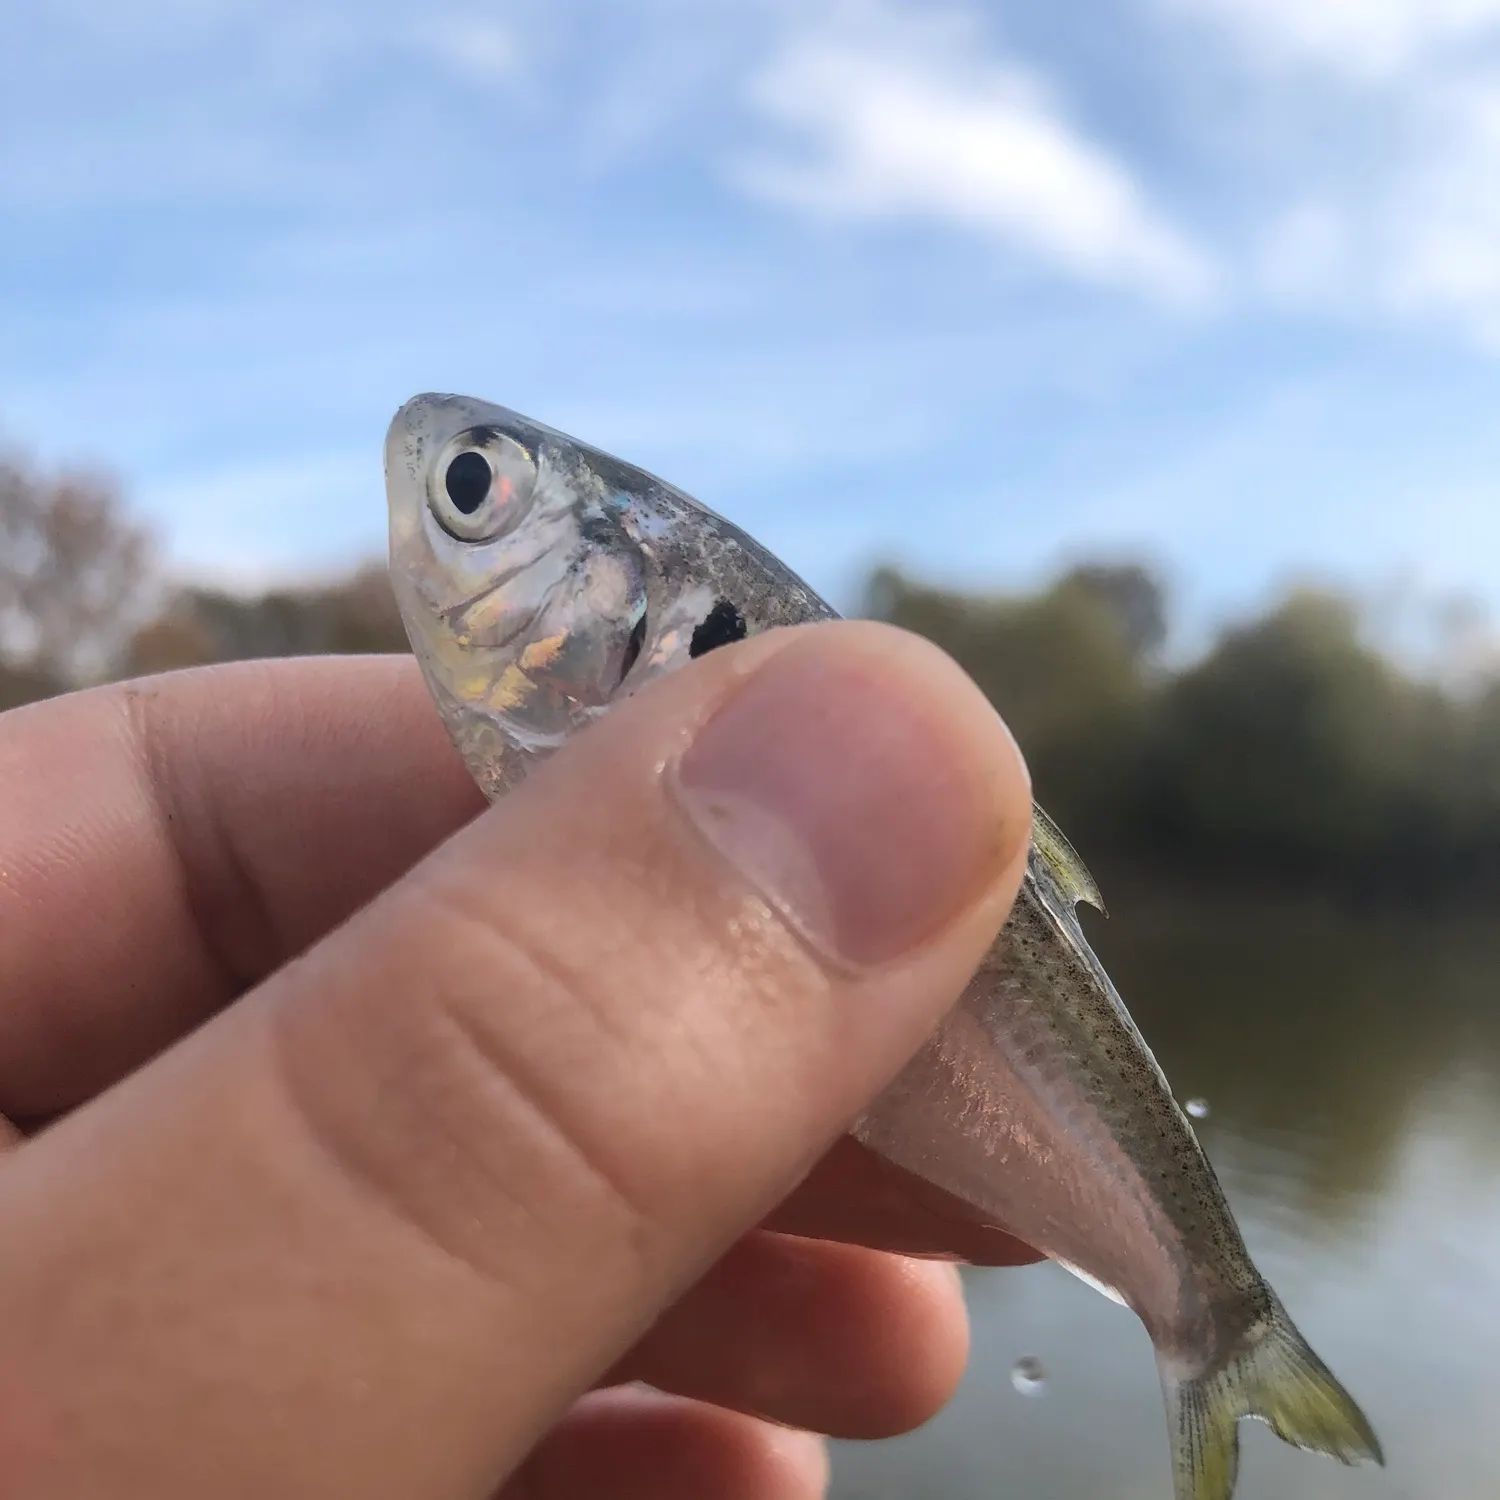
(1062, 861)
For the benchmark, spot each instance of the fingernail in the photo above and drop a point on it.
(856, 785)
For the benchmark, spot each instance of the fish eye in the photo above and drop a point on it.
(468, 481)
(481, 485)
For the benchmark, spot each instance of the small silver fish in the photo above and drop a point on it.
(540, 581)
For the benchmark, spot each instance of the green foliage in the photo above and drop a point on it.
(1067, 669)
(1294, 742)
(1294, 750)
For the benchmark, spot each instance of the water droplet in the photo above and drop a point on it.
(1028, 1376)
(1197, 1108)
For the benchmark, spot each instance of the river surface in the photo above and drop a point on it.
(1351, 1068)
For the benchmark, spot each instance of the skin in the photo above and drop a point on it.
(357, 1176)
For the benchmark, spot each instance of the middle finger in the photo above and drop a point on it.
(836, 1339)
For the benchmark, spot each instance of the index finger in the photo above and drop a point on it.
(167, 843)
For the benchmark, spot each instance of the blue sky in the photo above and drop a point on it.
(977, 287)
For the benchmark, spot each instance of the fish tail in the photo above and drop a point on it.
(1277, 1379)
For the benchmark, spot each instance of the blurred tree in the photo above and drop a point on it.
(1064, 668)
(353, 615)
(1477, 784)
(1133, 594)
(1295, 747)
(1295, 750)
(175, 638)
(17, 688)
(76, 577)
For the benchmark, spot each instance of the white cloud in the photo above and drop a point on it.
(1305, 254)
(1365, 38)
(895, 123)
(1417, 242)
(472, 43)
(1385, 116)
(1446, 226)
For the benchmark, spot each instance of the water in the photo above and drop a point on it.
(1029, 1376)
(1354, 1072)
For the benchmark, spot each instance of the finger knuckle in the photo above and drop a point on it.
(466, 1090)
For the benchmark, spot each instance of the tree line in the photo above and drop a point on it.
(1294, 750)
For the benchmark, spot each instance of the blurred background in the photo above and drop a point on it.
(1144, 353)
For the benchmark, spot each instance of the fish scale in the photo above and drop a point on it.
(575, 580)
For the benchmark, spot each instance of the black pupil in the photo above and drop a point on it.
(468, 481)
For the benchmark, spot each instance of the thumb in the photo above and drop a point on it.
(371, 1231)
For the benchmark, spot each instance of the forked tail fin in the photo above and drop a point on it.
(1277, 1379)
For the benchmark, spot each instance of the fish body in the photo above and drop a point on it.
(542, 580)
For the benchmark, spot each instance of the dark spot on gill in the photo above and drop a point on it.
(722, 626)
(634, 646)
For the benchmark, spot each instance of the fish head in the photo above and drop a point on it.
(540, 579)
(523, 599)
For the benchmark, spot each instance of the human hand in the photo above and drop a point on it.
(364, 1175)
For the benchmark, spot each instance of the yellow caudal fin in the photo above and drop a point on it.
(1277, 1379)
